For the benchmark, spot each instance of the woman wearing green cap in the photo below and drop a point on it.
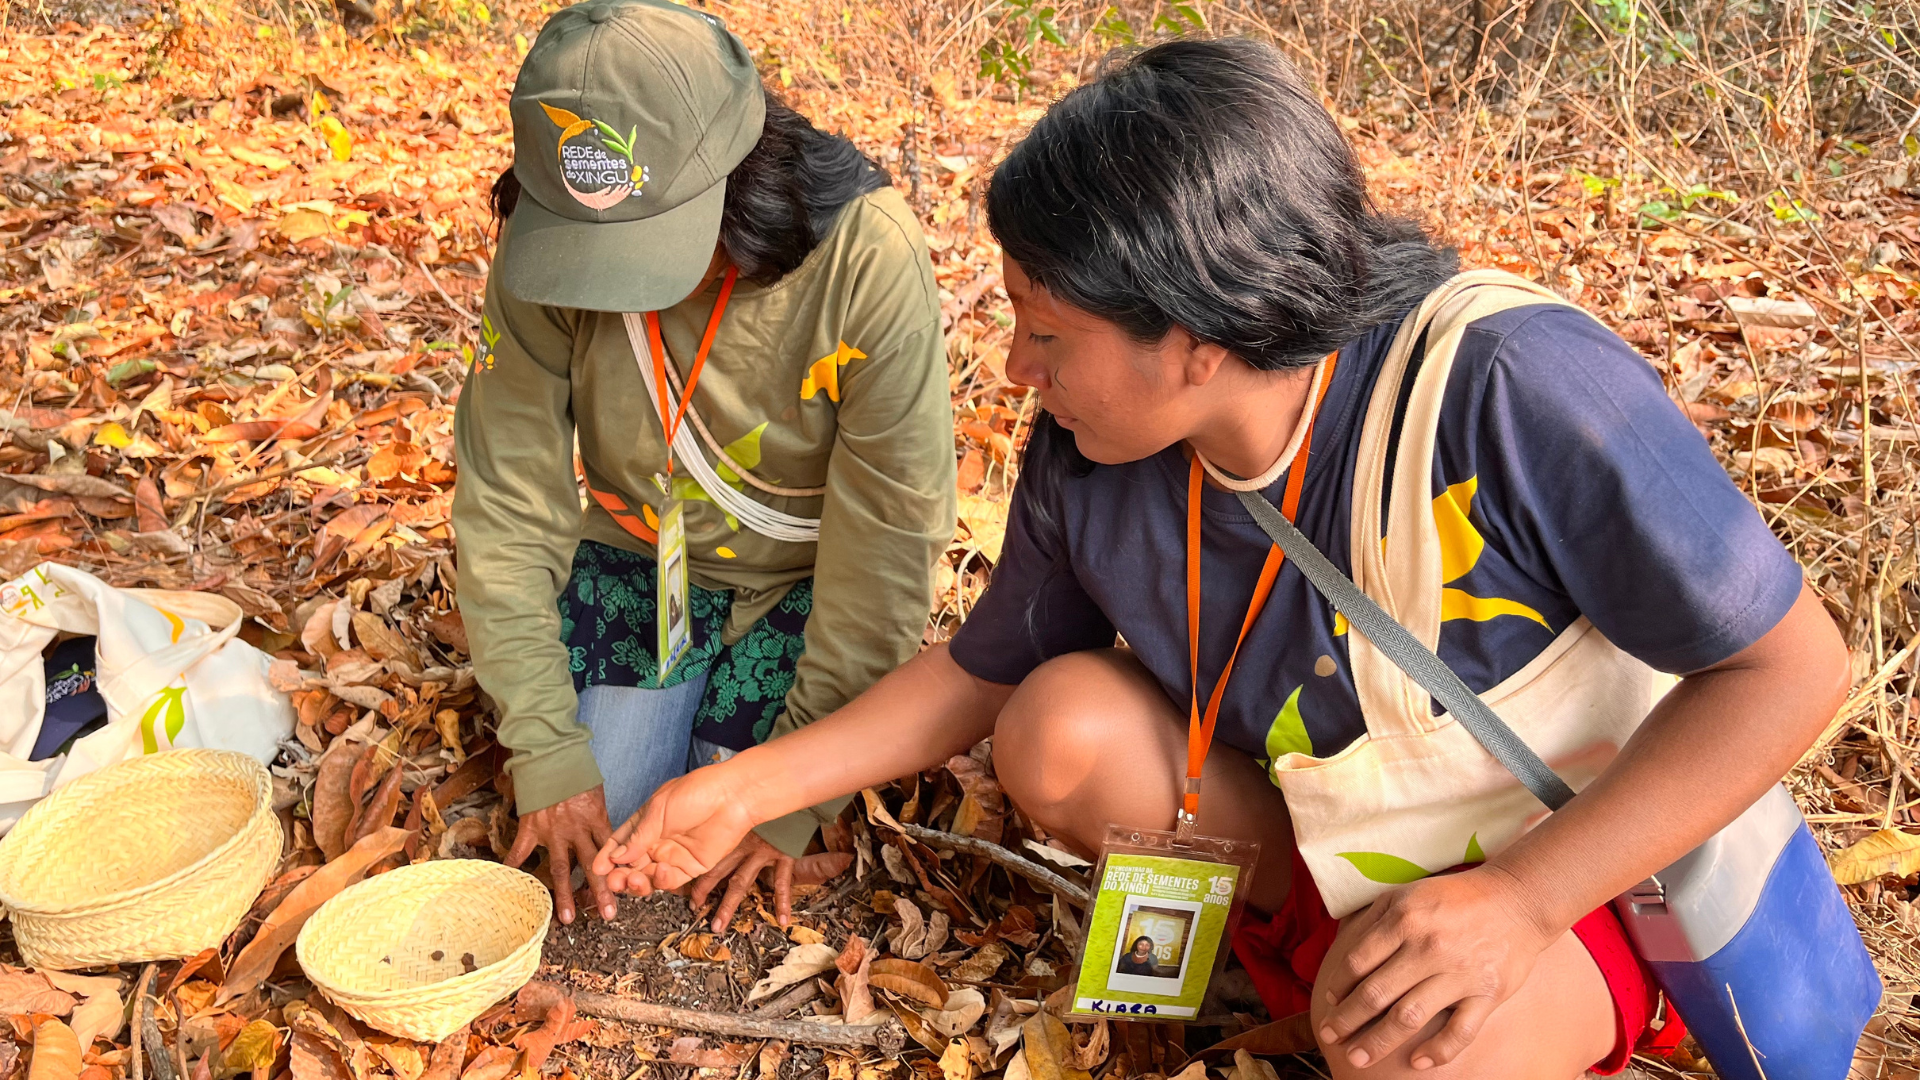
(687, 262)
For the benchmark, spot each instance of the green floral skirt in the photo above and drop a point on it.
(607, 622)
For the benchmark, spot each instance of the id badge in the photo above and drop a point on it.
(672, 620)
(1161, 920)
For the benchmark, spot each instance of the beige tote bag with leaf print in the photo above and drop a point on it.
(1416, 794)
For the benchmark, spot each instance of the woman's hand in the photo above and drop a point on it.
(689, 825)
(744, 865)
(569, 830)
(1464, 942)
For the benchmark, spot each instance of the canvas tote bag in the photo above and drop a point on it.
(168, 664)
(1417, 794)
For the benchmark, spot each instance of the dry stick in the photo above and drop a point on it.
(435, 282)
(790, 1001)
(149, 1034)
(611, 1007)
(139, 1021)
(1026, 868)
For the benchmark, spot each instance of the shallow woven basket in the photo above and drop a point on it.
(420, 951)
(154, 858)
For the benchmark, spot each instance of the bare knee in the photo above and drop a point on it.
(1080, 727)
(1048, 737)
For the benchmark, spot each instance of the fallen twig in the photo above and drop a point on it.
(435, 282)
(149, 1034)
(1025, 867)
(139, 1021)
(610, 1007)
(788, 1003)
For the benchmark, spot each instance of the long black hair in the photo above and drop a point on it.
(782, 198)
(1202, 184)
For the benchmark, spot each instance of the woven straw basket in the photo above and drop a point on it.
(154, 858)
(420, 951)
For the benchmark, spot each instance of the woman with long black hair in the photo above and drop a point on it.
(1213, 313)
(685, 260)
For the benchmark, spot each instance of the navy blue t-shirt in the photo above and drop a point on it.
(1583, 488)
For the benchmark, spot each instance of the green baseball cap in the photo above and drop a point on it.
(627, 117)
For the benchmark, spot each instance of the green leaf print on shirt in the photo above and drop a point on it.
(1384, 868)
(1288, 735)
(746, 451)
(1394, 870)
(687, 489)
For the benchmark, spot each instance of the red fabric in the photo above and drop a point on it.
(1636, 996)
(1283, 953)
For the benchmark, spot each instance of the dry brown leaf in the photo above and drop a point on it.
(382, 806)
(704, 947)
(963, 1009)
(333, 808)
(955, 1062)
(909, 978)
(909, 939)
(24, 993)
(800, 963)
(1248, 1067)
(856, 1000)
(687, 1050)
(981, 966)
(1089, 1052)
(553, 1008)
(493, 1063)
(100, 1012)
(1049, 1048)
(772, 1056)
(1888, 851)
(253, 1049)
(56, 1052)
(277, 933)
(917, 1027)
(877, 811)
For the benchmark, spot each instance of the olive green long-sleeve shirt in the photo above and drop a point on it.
(833, 376)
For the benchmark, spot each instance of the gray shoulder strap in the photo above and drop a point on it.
(1415, 659)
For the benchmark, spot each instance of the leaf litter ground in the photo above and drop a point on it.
(239, 255)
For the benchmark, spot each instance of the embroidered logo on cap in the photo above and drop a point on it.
(596, 163)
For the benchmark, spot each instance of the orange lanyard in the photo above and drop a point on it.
(1200, 725)
(671, 424)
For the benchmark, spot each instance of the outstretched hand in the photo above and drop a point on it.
(689, 825)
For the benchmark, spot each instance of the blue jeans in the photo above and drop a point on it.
(644, 738)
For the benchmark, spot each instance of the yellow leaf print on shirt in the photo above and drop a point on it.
(1460, 548)
(825, 374)
(1288, 735)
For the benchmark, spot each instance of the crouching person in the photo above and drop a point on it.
(686, 261)
(1208, 304)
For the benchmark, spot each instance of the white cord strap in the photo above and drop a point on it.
(720, 453)
(761, 518)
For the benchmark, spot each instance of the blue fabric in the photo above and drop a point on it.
(641, 738)
(74, 704)
(1590, 491)
(1795, 983)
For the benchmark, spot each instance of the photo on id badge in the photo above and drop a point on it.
(1155, 942)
